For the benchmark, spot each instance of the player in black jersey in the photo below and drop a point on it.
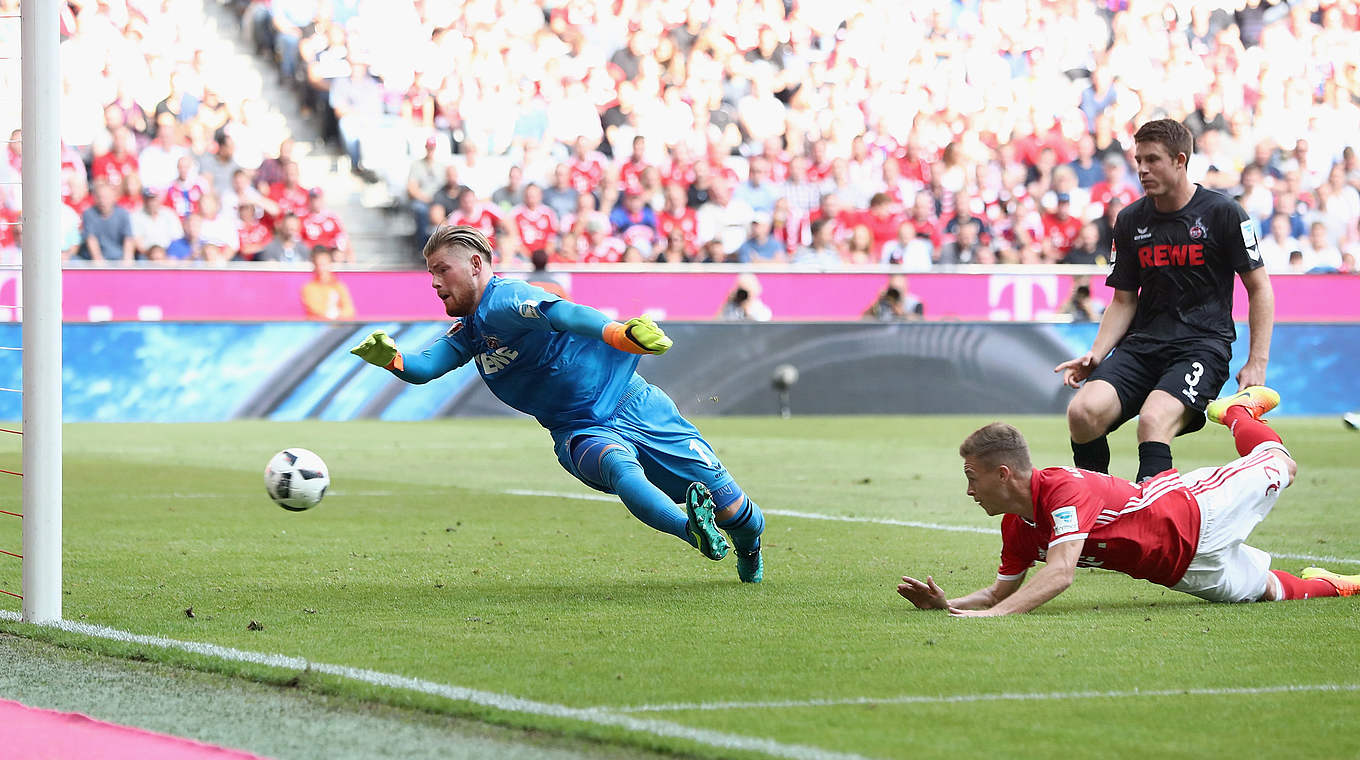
(1170, 323)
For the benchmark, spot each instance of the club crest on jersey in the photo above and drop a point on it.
(1198, 230)
(492, 342)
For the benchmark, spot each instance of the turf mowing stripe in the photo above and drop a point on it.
(884, 521)
(490, 699)
(1001, 697)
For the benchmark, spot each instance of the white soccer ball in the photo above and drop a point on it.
(296, 479)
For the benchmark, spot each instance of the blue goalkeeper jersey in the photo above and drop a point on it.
(559, 378)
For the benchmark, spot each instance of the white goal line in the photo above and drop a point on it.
(495, 700)
(886, 521)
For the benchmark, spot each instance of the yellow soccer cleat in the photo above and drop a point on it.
(1346, 585)
(1257, 399)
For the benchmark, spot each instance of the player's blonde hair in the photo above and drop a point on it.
(997, 444)
(461, 236)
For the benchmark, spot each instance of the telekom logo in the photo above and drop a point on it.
(1023, 304)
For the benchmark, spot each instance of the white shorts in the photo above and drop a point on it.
(1232, 500)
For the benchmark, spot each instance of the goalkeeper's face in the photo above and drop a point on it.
(458, 277)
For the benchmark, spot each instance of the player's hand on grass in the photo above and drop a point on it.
(647, 335)
(924, 594)
(1075, 371)
(379, 350)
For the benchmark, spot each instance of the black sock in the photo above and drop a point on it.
(1154, 458)
(1092, 455)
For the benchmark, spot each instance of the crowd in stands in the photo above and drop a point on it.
(831, 133)
(164, 154)
(827, 134)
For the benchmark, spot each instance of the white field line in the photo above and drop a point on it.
(1000, 697)
(490, 699)
(886, 521)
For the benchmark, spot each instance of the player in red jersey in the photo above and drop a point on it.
(534, 221)
(1186, 532)
(472, 212)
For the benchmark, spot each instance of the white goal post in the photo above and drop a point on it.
(41, 273)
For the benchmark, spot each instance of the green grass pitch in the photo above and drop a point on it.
(422, 562)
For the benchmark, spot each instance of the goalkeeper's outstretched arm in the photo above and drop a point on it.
(639, 335)
(440, 358)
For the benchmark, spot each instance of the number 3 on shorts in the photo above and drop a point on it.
(1192, 380)
(700, 450)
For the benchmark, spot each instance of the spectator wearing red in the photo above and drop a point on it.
(534, 222)
(289, 194)
(675, 217)
(840, 221)
(77, 193)
(473, 213)
(630, 171)
(1060, 227)
(587, 167)
(322, 228)
(186, 190)
(1115, 184)
(882, 220)
(118, 163)
(253, 234)
(597, 246)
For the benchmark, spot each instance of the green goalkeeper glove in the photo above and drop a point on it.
(379, 350)
(644, 332)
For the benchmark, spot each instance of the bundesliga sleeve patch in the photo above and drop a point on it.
(1064, 520)
(453, 329)
(529, 310)
(1249, 239)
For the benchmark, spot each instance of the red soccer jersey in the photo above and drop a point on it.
(588, 172)
(1102, 192)
(535, 226)
(323, 228)
(81, 205)
(882, 228)
(484, 217)
(1063, 232)
(184, 197)
(290, 199)
(679, 174)
(1148, 531)
(630, 175)
(254, 237)
(686, 221)
(113, 169)
(609, 251)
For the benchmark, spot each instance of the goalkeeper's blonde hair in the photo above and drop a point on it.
(461, 236)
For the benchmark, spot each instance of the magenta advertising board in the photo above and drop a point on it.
(98, 295)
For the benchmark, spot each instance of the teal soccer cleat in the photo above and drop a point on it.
(750, 566)
(703, 527)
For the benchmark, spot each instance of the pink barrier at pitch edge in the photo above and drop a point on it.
(31, 732)
(203, 294)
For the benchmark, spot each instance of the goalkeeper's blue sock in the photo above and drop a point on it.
(745, 526)
(618, 469)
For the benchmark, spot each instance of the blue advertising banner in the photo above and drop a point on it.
(202, 371)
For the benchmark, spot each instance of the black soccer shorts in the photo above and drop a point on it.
(1193, 372)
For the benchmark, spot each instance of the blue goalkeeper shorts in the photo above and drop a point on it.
(670, 449)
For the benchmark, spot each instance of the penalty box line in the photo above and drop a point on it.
(884, 521)
(495, 700)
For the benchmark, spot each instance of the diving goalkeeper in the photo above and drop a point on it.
(574, 370)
